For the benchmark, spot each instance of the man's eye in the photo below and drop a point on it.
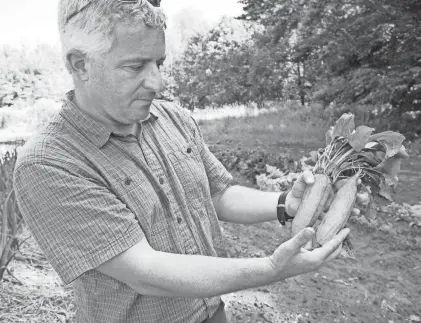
(159, 64)
(134, 68)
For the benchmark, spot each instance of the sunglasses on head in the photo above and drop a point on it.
(155, 3)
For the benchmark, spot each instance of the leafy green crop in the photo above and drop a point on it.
(350, 150)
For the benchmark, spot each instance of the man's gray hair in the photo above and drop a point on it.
(88, 25)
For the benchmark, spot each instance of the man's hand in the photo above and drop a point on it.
(291, 259)
(295, 197)
(306, 178)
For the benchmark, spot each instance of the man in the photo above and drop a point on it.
(122, 194)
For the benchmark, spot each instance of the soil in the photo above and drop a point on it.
(382, 285)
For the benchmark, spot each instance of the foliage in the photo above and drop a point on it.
(225, 67)
(31, 74)
(350, 56)
(379, 67)
(287, 35)
(361, 54)
(253, 162)
(11, 220)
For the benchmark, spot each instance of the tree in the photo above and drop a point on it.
(358, 53)
(225, 66)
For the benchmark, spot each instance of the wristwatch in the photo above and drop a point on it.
(280, 209)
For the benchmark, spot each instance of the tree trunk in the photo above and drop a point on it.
(300, 85)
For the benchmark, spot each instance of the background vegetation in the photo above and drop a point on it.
(359, 56)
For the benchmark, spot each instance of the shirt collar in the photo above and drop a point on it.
(92, 129)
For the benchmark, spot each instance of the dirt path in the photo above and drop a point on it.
(383, 285)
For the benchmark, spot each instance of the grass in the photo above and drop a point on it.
(29, 289)
(276, 131)
(40, 296)
(11, 221)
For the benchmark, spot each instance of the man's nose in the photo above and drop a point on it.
(153, 80)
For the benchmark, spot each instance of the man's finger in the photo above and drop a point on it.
(292, 247)
(329, 247)
(306, 178)
(334, 254)
(299, 240)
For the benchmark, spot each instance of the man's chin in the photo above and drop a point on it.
(141, 109)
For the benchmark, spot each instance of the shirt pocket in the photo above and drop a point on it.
(160, 237)
(190, 173)
(141, 198)
(138, 194)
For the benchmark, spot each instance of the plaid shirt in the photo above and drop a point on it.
(88, 194)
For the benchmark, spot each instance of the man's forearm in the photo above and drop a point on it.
(198, 276)
(243, 205)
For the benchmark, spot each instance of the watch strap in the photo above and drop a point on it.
(282, 215)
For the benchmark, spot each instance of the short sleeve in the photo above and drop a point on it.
(219, 177)
(77, 222)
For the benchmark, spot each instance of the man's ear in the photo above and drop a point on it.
(76, 63)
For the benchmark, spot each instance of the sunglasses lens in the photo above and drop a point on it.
(155, 3)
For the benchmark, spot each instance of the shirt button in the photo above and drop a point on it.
(128, 181)
(189, 150)
(161, 180)
(179, 220)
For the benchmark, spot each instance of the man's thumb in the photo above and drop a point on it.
(302, 237)
(292, 247)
